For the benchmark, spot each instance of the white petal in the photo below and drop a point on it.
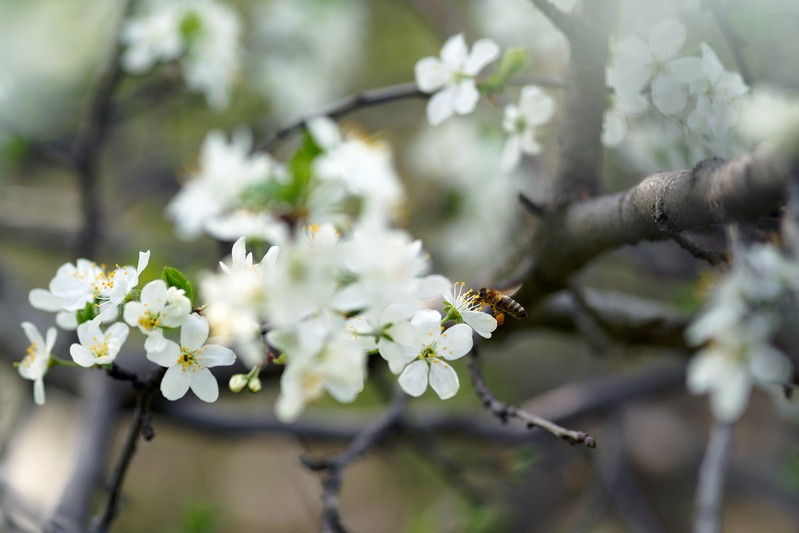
(431, 75)
(454, 52)
(155, 341)
(132, 312)
(685, 70)
(482, 323)
(175, 383)
(32, 332)
(443, 379)
(769, 365)
(704, 370)
(441, 106)
(667, 38)
(215, 355)
(50, 341)
(528, 143)
(484, 52)
(614, 128)
(153, 295)
(431, 286)
(729, 400)
(45, 300)
(668, 96)
(466, 97)
(81, 355)
(511, 154)
(167, 357)
(118, 331)
(326, 134)
(38, 391)
(413, 379)
(204, 385)
(144, 258)
(395, 355)
(67, 320)
(455, 342)
(194, 332)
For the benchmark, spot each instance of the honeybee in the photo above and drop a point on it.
(501, 303)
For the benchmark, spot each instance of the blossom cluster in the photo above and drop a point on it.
(452, 79)
(102, 306)
(694, 91)
(739, 330)
(202, 35)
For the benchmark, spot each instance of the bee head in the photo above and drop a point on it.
(482, 293)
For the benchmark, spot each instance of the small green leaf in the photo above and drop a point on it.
(513, 61)
(301, 165)
(87, 313)
(175, 278)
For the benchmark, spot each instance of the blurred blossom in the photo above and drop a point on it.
(518, 22)
(203, 34)
(769, 114)
(521, 122)
(226, 169)
(638, 64)
(37, 360)
(737, 328)
(614, 122)
(451, 78)
(306, 53)
(468, 227)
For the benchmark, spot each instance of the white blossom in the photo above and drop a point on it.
(716, 91)
(113, 288)
(187, 363)
(226, 170)
(521, 122)
(69, 291)
(37, 359)
(463, 307)
(389, 332)
(320, 357)
(429, 354)
(451, 79)
(637, 64)
(96, 347)
(159, 307)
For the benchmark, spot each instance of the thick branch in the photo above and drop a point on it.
(713, 192)
(352, 103)
(505, 411)
(562, 21)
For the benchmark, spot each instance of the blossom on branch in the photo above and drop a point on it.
(96, 347)
(187, 363)
(159, 307)
(520, 123)
(72, 288)
(37, 359)
(451, 79)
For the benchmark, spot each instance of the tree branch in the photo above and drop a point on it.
(711, 479)
(713, 192)
(141, 426)
(334, 467)
(566, 23)
(374, 97)
(505, 411)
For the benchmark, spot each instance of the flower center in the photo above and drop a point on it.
(149, 321)
(99, 348)
(190, 359)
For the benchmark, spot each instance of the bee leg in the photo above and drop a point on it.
(500, 318)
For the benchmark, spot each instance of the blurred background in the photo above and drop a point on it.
(472, 474)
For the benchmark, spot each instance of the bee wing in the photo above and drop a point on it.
(510, 291)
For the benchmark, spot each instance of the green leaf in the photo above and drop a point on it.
(513, 62)
(301, 165)
(87, 313)
(175, 278)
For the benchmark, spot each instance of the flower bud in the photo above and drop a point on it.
(237, 383)
(255, 384)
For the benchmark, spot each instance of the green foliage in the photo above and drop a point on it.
(16, 151)
(301, 164)
(199, 517)
(513, 62)
(175, 278)
(87, 313)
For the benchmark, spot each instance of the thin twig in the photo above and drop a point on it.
(333, 467)
(589, 322)
(141, 426)
(734, 39)
(504, 411)
(347, 105)
(531, 207)
(711, 479)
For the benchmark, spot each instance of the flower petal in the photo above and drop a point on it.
(668, 96)
(443, 379)
(431, 75)
(194, 332)
(168, 356)
(175, 383)
(204, 385)
(484, 52)
(413, 379)
(144, 258)
(455, 342)
(441, 105)
(466, 97)
(730, 399)
(667, 38)
(38, 391)
(511, 154)
(81, 355)
(454, 52)
(153, 295)
(45, 300)
(216, 355)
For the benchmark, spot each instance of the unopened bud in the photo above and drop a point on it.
(237, 383)
(255, 384)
